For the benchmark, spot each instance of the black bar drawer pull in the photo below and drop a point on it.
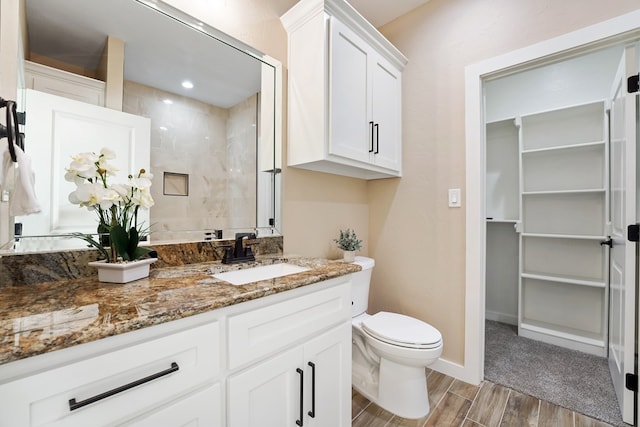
(371, 126)
(73, 405)
(377, 139)
(312, 412)
(299, 421)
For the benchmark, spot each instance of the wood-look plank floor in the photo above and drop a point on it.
(454, 403)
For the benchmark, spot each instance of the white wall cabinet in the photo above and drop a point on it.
(189, 374)
(562, 180)
(345, 83)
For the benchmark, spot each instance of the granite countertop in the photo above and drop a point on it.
(55, 315)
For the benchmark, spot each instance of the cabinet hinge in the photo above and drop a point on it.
(631, 382)
(633, 84)
(633, 233)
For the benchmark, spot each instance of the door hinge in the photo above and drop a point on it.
(631, 382)
(633, 84)
(633, 232)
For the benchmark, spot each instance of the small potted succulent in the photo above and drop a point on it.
(348, 241)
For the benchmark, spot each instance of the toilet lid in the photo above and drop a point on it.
(401, 330)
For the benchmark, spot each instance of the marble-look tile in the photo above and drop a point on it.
(215, 146)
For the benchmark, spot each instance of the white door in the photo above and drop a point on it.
(327, 394)
(268, 394)
(386, 107)
(350, 130)
(66, 127)
(622, 269)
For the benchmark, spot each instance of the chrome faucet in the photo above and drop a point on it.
(240, 252)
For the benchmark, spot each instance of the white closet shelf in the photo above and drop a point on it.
(553, 192)
(500, 220)
(565, 279)
(585, 337)
(566, 236)
(563, 147)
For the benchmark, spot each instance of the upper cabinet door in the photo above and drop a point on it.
(350, 109)
(344, 93)
(386, 114)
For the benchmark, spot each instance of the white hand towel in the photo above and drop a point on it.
(7, 167)
(23, 200)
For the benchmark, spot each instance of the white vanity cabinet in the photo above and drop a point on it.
(100, 390)
(268, 362)
(307, 381)
(345, 83)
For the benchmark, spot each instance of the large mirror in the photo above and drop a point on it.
(200, 109)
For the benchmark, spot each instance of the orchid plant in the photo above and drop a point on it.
(116, 205)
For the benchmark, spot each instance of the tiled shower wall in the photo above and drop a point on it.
(216, 147)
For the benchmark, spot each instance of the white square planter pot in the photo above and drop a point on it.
(123, 272)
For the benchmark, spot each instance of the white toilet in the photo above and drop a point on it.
(390, 352)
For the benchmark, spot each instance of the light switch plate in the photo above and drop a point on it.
(454, 198)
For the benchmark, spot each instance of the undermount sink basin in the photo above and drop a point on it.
(255, 274)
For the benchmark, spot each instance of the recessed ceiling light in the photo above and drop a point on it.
(187, 84)
(163, 128)
(167, 101)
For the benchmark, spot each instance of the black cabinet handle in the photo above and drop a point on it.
(608, 242)
(73, 405)
(377, 139)
(298, 370)
(312, 412)
(371, 125)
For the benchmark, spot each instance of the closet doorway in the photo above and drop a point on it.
(555, 205)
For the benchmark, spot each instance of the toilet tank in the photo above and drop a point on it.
(360, 282)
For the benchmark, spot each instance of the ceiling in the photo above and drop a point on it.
(162, 52)
(380, 12)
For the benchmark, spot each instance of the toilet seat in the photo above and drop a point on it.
(403, 331)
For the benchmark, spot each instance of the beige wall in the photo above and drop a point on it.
(417, 241)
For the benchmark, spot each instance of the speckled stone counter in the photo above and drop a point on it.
(49, 316)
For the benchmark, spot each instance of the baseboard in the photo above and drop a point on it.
(454, 370)
(509, 319)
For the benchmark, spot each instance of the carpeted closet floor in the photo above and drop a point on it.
(568, 378)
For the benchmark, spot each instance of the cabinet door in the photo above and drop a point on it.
(268, 394)
(350, 134)
(327, 393)
(386, 113)
(201, 409)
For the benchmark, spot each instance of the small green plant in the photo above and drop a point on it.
(348, 240)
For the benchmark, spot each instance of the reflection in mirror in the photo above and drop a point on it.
(168, 94)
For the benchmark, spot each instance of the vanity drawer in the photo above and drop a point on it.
(203, 408)
(258, 333)
(123, 383)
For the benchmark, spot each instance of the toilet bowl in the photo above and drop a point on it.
(390, 353)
